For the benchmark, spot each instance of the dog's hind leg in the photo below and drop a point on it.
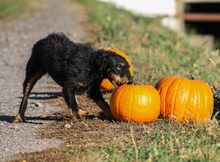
(71, 101)
(33, 74)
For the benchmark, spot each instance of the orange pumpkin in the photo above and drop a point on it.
(137, 103)
(106, 84)
(185, 100)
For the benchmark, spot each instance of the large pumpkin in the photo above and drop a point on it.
(106, 84)
(185, 100)
(137, 103)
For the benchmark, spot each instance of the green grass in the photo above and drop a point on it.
(160, 141)
(12, 8)
(169, 143)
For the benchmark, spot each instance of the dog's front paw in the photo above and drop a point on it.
(18, 119)
(108, 115)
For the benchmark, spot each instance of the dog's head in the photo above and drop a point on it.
(114, 67)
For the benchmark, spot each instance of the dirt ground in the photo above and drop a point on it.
(16, 40)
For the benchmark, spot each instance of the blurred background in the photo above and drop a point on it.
(201, 17)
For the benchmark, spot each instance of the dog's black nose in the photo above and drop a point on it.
(130, 81)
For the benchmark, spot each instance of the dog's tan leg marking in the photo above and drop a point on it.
(77, 114)
(27, 89)
(81, 112)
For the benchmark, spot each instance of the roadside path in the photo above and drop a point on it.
(16, 40)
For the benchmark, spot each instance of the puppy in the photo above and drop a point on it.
(76, 68)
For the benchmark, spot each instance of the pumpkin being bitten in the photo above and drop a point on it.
(137, 103)
(185, 100)
(106, 84)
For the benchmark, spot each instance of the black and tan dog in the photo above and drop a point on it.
(76, 68)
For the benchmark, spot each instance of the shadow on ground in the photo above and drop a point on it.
(44, 95)
(58, 117)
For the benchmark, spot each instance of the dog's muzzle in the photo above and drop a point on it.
(121, 82)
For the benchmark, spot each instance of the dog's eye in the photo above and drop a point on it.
(119, 68)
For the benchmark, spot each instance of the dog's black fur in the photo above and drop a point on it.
(76, 68)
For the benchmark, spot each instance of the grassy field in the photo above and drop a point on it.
(155, 52)
(12, 8)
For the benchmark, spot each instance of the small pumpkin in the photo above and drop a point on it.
(106, 84)
(185, 100)
(137, 103)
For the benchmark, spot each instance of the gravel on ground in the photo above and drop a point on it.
(16, 40)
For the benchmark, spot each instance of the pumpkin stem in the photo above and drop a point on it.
(214, 88)
(190, 76)
(136, 83)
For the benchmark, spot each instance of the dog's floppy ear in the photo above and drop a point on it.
(104, 62)
(100, 61)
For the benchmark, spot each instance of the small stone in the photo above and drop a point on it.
(67, 126)
(37, 104)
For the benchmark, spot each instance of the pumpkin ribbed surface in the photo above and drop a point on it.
(185, 100)
(137, 103)
(106, 84)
